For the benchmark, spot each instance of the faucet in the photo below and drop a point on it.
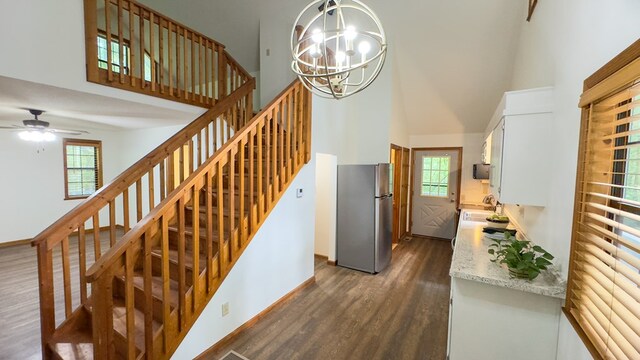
(491, 201)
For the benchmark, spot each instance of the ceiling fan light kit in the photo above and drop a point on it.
(37, 130)
(36, 136)
(338, 47)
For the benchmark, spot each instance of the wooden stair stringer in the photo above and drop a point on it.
(218, 282)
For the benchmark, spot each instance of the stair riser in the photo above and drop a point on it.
(174, 270)
(203, 220)
(174, 240)
(139, 299)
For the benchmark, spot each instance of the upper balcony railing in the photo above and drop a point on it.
(132, 47)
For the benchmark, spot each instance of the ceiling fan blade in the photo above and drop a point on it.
(69, 132)
(12, 127)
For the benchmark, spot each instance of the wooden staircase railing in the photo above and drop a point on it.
(149, 289)
(116, 207)
(132, 47)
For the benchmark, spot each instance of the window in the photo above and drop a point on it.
(435, 176)
(603, 295)
(82, 167)
(115, 56)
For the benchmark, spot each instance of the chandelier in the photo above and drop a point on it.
(338, 47)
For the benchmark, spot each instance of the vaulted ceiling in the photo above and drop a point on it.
(453, 58)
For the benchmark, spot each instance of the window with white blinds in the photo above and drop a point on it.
(603, 297)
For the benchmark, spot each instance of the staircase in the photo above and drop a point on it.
(156, 243)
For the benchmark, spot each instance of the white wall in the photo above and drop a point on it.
(355, 129)
(50, 49)
(32, 181)
(472, 191)
(278, 259)
(36, 192)
(326, 205)
(565, 43)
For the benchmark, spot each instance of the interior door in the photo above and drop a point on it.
(435, 192)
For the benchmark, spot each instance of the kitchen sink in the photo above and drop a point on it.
(474, 216)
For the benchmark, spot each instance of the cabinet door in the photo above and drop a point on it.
(525, 160)
(495, 173)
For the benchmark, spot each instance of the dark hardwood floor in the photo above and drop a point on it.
(401, 313)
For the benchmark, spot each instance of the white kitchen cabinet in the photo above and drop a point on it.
(490, 323)
(520, 156)
(493, 316)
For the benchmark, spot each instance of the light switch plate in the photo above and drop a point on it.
(299, 193)
(225, 309)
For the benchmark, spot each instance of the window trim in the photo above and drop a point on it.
(81, 142)
(595, 87)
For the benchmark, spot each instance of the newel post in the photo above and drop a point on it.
(47, 301)
(102, 316)
(91, 38)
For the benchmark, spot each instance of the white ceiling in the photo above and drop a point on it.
(79, 110)
(453, 59)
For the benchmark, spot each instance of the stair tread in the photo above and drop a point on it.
(120, 322)
(188, 230)
(156, 287)
(74, 343)
(203, 210)
(188, 257)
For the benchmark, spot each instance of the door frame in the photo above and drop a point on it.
(413, 169)
(404, 191)
(397, 184)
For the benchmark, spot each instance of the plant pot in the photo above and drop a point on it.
(497, 224)
(518, 274)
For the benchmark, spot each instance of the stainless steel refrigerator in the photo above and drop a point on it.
(365, 207)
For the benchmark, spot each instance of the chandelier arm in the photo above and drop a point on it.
(340, 72)
(373, 16)
(324, 53)
(293, 31)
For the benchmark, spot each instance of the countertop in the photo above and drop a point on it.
(472, 262)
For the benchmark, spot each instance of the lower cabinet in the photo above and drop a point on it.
(488, 322)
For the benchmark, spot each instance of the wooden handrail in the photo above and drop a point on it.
(127, 200)
(101, 198)
(159, 17)
(271, 149)
(110, 257)
(163, 57)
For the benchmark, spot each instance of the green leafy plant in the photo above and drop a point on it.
(523, 259)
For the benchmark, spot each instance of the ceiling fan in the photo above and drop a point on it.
(38, 130)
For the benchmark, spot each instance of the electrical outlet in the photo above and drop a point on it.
(225, 309)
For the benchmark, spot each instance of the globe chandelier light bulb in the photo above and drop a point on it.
(338, 47)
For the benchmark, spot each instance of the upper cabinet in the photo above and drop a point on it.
(519, 156)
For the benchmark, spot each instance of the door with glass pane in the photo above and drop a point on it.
(435, 192)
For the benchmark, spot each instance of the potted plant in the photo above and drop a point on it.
(523, 259)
